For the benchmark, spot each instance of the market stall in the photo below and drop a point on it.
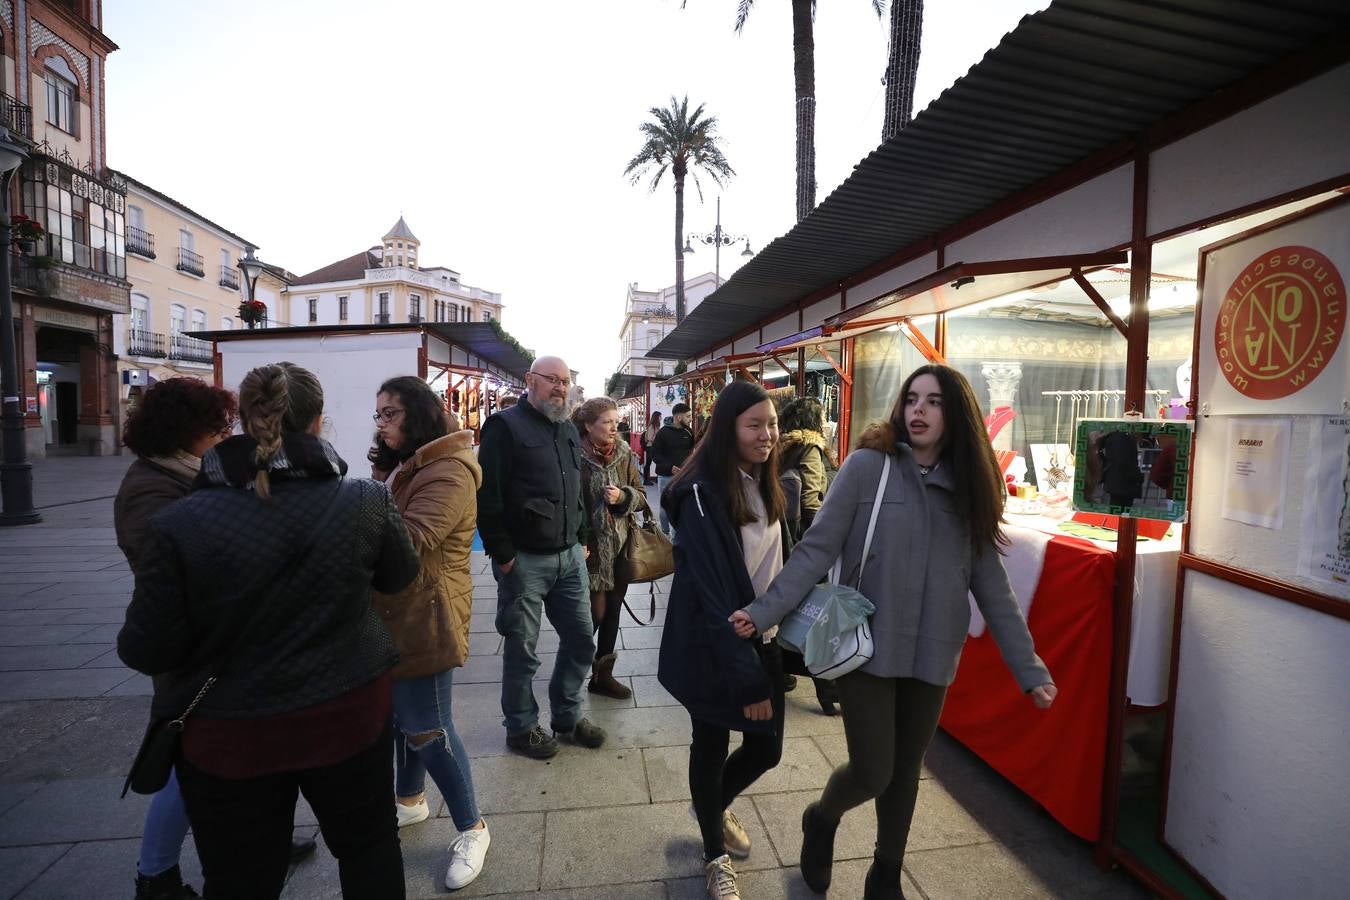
(468, 364)
(1056, 262)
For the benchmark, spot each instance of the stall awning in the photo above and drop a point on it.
(1077, 80)
(964, 284)
(821, 334)
(482, 339)
(627, 386)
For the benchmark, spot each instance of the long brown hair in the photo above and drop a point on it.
(980, 491)
(716, 458)
(281, 397)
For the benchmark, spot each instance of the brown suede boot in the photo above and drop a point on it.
(603, 681)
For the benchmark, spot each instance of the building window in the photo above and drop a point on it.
(136, 217)
(198, 320)
(80, 231)
(313, 309)
(226, 323)
(177, 319)
(342, 309)
(382, 317)
(60, 95)
(487, 315)
(454, 312)
(414, 307)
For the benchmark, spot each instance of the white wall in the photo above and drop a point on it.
(816, 313)
(351, 369)
(889, 281)
(1091, 217)
(1259, 800)
(1229, 164)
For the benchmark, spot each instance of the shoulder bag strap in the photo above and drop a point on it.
(876, 510)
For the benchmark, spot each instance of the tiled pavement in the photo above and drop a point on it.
(611, 824)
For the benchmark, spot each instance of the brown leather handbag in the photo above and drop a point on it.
(647, 553)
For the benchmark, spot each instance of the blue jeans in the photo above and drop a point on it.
(557, 584)
(422, 706)
(166, 827)
(661, 482)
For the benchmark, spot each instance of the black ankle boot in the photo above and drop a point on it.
(164, 886)
(883, 880)
(827, 695)
(817, 861)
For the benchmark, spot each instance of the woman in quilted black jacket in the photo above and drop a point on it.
(263, 576)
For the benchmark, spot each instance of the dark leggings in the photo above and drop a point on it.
(888, 724)
(716, 779)
(607, 623)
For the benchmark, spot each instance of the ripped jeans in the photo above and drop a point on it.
(422, 706)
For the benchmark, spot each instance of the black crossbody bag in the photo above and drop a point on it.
(162, 743)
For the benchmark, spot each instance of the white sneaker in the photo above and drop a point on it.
(411, 815)
(720, 879)
(466, 857)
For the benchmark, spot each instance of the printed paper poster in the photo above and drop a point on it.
(1256, 472)
(1325, 545)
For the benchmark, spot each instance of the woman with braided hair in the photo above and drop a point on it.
(253, 608)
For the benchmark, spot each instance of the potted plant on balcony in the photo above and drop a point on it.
(251, 312)
(25, 233)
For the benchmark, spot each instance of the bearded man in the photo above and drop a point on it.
(534, 526)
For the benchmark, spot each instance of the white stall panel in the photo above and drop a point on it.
(350, 368)
(816, 313)
(1092, 217)
(889, 281)
(748, 343)
(1259, 798)
(1226, 166)
(781, 327)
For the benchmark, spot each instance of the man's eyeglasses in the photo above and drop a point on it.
(553, 379)
(387, 415)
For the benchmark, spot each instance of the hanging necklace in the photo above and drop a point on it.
(924, 470)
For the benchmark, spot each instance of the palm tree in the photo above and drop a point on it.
(682, 142)
(902, 64)
(804, 81)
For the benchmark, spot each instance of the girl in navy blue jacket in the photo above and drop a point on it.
(727, 509)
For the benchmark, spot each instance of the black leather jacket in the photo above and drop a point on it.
(213, 558)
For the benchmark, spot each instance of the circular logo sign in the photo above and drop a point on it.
(1280, 322)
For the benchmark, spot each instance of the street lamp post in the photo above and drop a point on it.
(16, 473)
(252, 267)
(718, 239)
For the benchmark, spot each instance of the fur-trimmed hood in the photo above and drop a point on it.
(879, 436)
(804, 437)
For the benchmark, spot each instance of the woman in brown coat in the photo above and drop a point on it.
(612, 489)
(429, 465)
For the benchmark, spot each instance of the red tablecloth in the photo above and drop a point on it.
(1056, 756)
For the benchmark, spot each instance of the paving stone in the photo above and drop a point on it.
(576, 777)
(649, 692)
(10, 618)
(637, 843)
(60, 683)
(96, 615)
(482, 622)
(12, 793)
(638, 662)
(512, 862)
(846, 883)
(28, 726)
(993, 870)
(638, 637)
(49, 815)
(20, 866)
(801, 768)
(480, 669)
(107, 659)
(101, 743)
(30, 635)
(782, 813)
(652, 726)
(484, 643)
(103, 869)
(99, 634)
(49, 656)
(646, 890)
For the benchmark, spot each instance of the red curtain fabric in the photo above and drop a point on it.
(1056, 756)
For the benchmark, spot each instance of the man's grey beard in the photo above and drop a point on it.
(554, 410)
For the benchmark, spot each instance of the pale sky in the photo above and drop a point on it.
(500, 130)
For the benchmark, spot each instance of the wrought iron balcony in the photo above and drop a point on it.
(229, 277)
(190, 262)
(189, 349)
(382, 318)
(16, 116)
(142, 243)
(414, 319)
(145, 343)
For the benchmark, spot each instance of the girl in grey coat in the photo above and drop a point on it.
(936, 540)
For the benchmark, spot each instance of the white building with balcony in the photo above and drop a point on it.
(382, 285)
(648, 316)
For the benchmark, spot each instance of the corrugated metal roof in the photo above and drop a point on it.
(1069, 81)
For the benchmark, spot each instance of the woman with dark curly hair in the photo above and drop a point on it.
(428, 463)
(176, 423)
